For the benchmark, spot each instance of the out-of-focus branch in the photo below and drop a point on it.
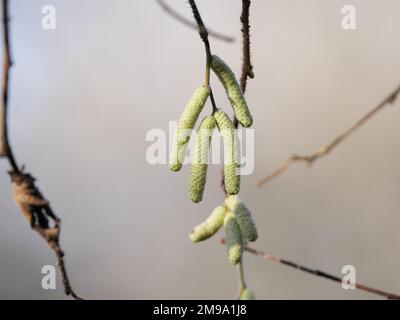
(191, 24)
(203, 32)
(315, 272)
(247, 67)
(33, 205)
(325, 150)
(5, 147)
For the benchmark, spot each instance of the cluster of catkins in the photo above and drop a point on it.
(233, 214)
(219, 119)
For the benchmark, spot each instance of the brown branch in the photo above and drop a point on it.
(190, 23)
(203, 32)
(315, 272)
(33, 205)
(5, 147)
(52, 240)
(325, 150)
(247, 67)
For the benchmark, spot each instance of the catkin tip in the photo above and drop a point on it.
(175, 167)
(209, 227)
(247, 294)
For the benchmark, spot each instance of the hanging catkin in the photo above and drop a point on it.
(231, 152)
(234, 238)
(186, 123)
(209, 227)
(232, 88)
(243, 217)
(198, 172)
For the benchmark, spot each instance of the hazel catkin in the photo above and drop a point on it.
(186, 123)
(243, 217)
(209, 227)
(234, 238)
(198, 171)
(231, 152)
(232, 88)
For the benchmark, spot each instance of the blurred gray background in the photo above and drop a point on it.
(84, 96)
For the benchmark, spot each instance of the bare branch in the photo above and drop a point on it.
(191, 24)
(203, 32)
(34, 206)
(326, 149)
(315, 272)
(5, 147)
(247, 67)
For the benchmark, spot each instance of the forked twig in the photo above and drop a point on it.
(325, 150)
(191, 24)
(316, 272)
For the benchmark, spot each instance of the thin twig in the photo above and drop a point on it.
(247, 67)
(24, 189)
(5, 147)
(191, 24)
(54, 245)
(203, 32)
(325, 150)
(315, 272)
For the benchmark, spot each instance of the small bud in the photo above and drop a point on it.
(247, 294)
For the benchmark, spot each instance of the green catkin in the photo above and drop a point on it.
(198, 172)
(234, 239)
(232, 88)
(209, 227)
(231, 152)
(243, 217)
(186, 123)
(247, 294)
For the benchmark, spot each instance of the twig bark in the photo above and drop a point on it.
(326, 149)
(203, 32)
(33, 205)
(315, 272)
(189, 23)
(247, 67)
(5, 147)
(54, 243)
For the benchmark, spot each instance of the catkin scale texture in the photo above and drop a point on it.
(234, 239)
(186, 123)
(209, 227)
(198, 171)
(232, 88)
(231, 152)
(243, 217)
